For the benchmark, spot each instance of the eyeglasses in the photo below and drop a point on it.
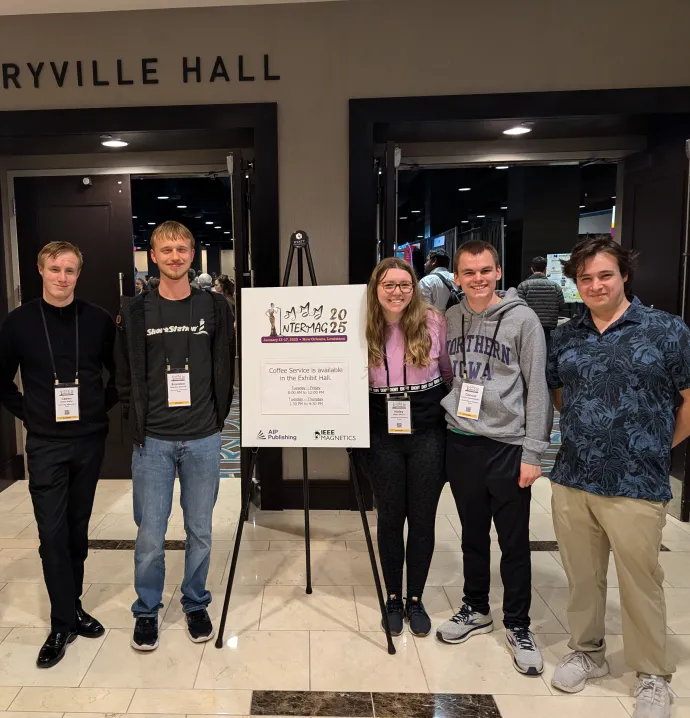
(389, 287)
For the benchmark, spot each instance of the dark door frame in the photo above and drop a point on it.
(45, 129)
(369, 119)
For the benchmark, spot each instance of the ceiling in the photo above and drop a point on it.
(45, 7)
(193, 201)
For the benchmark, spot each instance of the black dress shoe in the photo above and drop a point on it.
(88, 626)
(54, 648)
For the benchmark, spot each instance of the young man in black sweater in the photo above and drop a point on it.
(175, 366)
(61, 345)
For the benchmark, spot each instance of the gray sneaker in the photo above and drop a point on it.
(464, 624)
(526, 655)
(653, 698)
(573, 672)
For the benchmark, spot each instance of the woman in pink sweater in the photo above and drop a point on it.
(408, 368)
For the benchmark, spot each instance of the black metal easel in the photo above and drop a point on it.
(300, 242)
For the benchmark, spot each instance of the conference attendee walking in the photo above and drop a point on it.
(408, 370)
(175, 366)
(438, 283)
(543, 296)
(499, 415)
(617, 372)
(61, 345)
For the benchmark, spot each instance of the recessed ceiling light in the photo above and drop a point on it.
(152, 224)
(517, 130)
(465, 221)
(420, 236)
(613, 197)
(198, 217)
(464, 189)
(108, 141)
(226, 232)
(164, 197)
(209, 222)
(217, 227)
(501, 167)
(582, 206)
(134, 216)
(416, 211)
(181, 206)
(504, 207)
(481, 216)
(402, 217)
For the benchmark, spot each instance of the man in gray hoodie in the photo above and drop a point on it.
(499, 418)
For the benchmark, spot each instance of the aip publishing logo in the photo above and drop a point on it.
(261, 435)
(275, 435)
(330, 435)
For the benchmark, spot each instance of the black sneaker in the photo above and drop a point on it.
(199, 626)
(418, 618)
(145, 636)
(395, 611)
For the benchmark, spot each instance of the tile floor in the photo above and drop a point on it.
(280, 639)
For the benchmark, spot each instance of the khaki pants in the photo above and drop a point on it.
(589, 526)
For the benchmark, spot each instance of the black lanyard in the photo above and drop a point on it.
(189, 330)
(388, 378)
(50, 346)
(493, 344)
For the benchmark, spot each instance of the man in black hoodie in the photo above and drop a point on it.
(61, 344)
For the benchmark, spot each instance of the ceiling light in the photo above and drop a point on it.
(402, 217)
(226, 232)
(108, 141)
(416, 211)
(517, 130)
(420, 236)
(613, 197)
(134, 216)
(504, 207)
(481, 216)
(197, 217)
(582, 206)
(217, 227)
(181, 206)
(464, 189)
(209, 222)
(501, 167)
(465, 221)
(163, 197)
(151, 224)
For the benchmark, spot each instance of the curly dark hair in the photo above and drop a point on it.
(227, 285)
(591, 246)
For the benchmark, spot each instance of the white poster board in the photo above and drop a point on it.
(554, 271)
(305, 379)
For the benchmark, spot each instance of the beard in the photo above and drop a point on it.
(173, 272)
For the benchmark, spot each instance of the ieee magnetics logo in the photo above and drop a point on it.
(319, 435)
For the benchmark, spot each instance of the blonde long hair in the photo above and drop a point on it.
(413, 322)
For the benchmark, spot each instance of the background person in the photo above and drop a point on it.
(500, 418)
(438, 283)
(175, 378)
(61, 339)
(543, 297)
(205, 282)
(616, 372)
(139, 286)
(407, 346)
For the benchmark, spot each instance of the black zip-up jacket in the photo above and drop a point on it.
(544, 298)
(23, 345)
(130, 360)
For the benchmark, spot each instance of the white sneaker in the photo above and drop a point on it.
(573, 672)
(653, 698)
(526, 654)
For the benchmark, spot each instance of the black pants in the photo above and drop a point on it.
(62, 481)
(547, 336)
(406, 475)
(483, 475)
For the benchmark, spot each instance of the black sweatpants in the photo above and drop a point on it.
(483, 476)
(406, 475)
(62, 482)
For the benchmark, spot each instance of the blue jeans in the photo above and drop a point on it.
(153, 475)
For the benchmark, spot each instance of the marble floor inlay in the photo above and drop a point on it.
(311, 703)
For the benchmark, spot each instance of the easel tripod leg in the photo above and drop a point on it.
(246, 498)
(370, 548)
(307, 539)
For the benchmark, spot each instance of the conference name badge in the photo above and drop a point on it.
(179, 392)
(66, 402)
(471, 393)
(399, 415)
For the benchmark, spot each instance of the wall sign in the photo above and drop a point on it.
(304, 367)
(143, 71)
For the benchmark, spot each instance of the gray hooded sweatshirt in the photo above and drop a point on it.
(516, 406)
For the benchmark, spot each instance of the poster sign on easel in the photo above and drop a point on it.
(305, 377)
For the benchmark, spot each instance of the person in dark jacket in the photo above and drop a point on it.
(175, 367)
(62, 345)
(542, 296)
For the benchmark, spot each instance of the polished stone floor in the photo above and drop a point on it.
(287, 653)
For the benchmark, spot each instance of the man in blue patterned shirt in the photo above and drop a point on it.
(616, 373)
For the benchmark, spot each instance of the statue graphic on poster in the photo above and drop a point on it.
(271, 314)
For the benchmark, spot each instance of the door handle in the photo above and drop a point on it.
(121, 277)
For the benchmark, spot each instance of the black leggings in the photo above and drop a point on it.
(407, 475)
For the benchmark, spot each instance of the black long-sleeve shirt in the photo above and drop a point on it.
(23, 345)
